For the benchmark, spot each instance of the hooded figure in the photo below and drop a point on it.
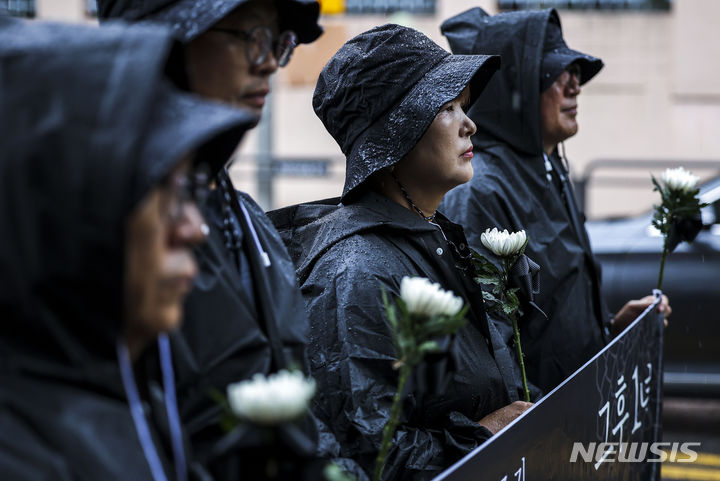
(383, 94)
(93, 138)
(189, 19)
(245, 315)
(517, 186)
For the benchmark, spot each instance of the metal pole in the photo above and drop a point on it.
(265, 153)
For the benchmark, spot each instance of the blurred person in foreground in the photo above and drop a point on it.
(394, 102)
(521, 182)
(101, 163)
(245, 315)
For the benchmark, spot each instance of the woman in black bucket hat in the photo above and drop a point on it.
(393, 100)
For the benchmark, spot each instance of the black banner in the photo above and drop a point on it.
(574, 433)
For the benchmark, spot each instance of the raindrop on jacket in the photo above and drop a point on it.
(345, 255)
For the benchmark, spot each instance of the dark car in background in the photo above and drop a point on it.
(630, 249)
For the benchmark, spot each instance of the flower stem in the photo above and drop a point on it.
(662, 264)
(521, 361)
(391, 425)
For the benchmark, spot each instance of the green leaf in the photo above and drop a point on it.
(660, 189)
(334, 472)
(429, 346)
(228, 420)
(389, 309)
(483, 265)
(488, 280)
(489, 297)
(512, 303)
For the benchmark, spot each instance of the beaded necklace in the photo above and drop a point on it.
(429, 218)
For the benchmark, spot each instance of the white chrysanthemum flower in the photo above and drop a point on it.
(280, 397)
(503, 244)
(679, 179)
(424, 298)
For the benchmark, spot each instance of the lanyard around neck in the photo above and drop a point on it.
(136, 410)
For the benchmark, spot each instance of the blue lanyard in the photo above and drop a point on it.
(171, 407)
(136, 410)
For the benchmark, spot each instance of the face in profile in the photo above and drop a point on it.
(218, 61)
(442, 159)
(159, 263)
(558, 107)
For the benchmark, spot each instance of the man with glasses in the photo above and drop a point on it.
(245, 314)
(521, 182)
(232, 61)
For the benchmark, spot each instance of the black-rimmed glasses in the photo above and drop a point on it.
(260, 42)
(185, 189)
(574, 70)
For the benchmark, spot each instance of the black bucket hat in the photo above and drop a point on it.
(191, 18)
(381, 91)
(557, 56)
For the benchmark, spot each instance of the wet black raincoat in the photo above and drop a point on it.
(345, 255)
(245, 314)
(229, 332)
(81, 146)
(511, 190)
(242, 318)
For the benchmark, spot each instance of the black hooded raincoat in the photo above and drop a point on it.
(510, 190)
(345, 255)
(75, 160)
(238, 321)
(245, 314)
(243, 317)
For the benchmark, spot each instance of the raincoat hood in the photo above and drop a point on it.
(533, 52)
(515, 186)
(381, 91)
(310, 230)
(191, 18)
(90, 126)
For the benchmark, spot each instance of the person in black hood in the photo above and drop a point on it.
(393, 100)
(521, 182)
(99, 219)
(246, 314)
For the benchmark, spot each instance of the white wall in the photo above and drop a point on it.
(658, 96)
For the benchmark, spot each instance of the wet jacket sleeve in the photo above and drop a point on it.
(351, 356)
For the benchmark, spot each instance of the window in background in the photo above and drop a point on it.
(586, 4)
(20, 8)
(91, 8)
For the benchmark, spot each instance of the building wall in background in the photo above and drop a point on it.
(658, 97)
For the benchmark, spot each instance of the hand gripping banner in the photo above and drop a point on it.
(599, 424)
